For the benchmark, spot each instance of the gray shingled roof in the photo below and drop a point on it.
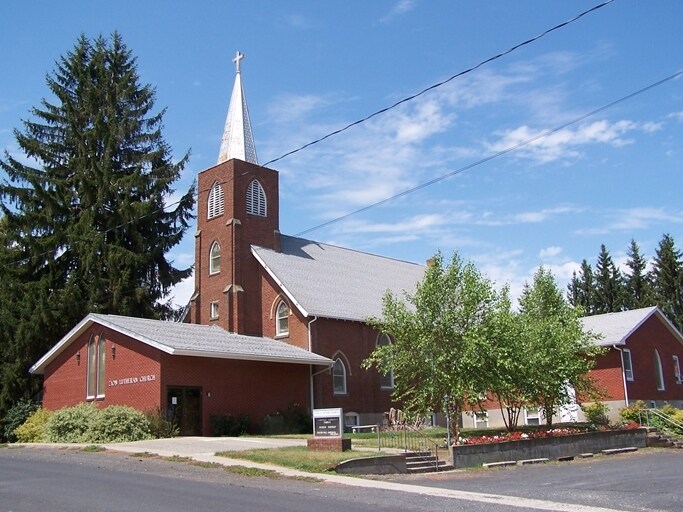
(333, 282)
(615, 328)
(190, 340)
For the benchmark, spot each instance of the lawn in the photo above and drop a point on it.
(300, 457)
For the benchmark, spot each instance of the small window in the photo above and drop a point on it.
(256, 199)
(386, 380)
(95, 383)
(677, 370)
(214, 309)
(282, 319)
(532, 416)
(659, 374)
(339, 377)
(626, 361)
(216, 202)
(481, 419)
(351, 419)
(215, 259)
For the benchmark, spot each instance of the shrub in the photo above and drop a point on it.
(118, 423)
(596, 413)
(33, 429)
(159, 426)
(229, 425)
(293, 420)
(71, 424)
(16, 416)
(633, 412)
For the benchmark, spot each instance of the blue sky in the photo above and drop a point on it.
(312, 67)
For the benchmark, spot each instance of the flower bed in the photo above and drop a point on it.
(541, 434)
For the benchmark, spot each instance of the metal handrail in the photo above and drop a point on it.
(408, 439)
(668, 421)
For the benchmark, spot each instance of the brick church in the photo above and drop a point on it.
(276, 320)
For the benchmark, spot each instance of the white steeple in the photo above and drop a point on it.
(238, 142)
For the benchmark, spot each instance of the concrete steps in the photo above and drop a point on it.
(425, 462)
(657, 439)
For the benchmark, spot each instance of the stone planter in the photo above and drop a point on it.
(470, 455)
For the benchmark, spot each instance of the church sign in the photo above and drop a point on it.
(328, 422)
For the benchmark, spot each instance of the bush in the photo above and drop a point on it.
(33, 429)
(16, 416)
(118, 423)
(229, 425)
(596, 413)
(633, 413)
(159, 426)
(71, 424)
(293, 420)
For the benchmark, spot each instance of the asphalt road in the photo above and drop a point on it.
(33, 480)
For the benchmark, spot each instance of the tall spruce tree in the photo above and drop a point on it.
(609, 296)
(581, 289)
(86, 227)
(666, 276)
(637, 288)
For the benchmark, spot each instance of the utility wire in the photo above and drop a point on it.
(439, 84)
(500, 153)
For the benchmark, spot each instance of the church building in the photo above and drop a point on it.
(276, 320)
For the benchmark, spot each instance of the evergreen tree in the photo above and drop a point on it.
(85, 224)
(608, 297)
(637, 288)
(581, 289)
(667, 280)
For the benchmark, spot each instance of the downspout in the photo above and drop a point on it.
(623, 374)
(310, 367)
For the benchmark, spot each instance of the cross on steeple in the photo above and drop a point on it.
(238, 57)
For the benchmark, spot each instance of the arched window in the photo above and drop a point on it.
(216, 201)
(659, 374)
(256, 199)
(339, 377)
(386, 380)
(282, 319)
(215, 258)
(96, 362)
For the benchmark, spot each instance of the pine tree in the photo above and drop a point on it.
(581, 289)
(608, 296)
(86, 224)
(637, 288)
(667, 280)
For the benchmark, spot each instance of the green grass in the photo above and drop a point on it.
(298, 457)
(93, 448)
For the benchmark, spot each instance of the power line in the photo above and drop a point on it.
(500, 153)
(443, 82)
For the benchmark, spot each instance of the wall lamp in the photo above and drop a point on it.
(78, 358)
(113, 351)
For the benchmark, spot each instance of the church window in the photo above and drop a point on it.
(96, 364)
(386, 380)
(339, 377)
(677, 370)
(627, 364)
(214, 309)
(256, 199)
(215, 258)
(216, 201)
(659, 374)
(532, 416)
(282, 319)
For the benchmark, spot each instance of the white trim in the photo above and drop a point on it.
(624, 352)
(345, 374)
(212, 269)
(677, 369)
(278, 330)
(213, 309)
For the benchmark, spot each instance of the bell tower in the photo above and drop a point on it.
(237, 207)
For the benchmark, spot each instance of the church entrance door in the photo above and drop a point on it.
(184, 406)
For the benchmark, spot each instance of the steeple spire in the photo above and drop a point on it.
(238, 141)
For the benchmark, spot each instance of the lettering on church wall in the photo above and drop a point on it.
(133, 380)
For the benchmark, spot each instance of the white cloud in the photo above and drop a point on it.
(401, 7)
(290, 108)
(550, 252)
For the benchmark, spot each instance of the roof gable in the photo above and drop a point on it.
(333, 282)
(188, 339)
(615, 328)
